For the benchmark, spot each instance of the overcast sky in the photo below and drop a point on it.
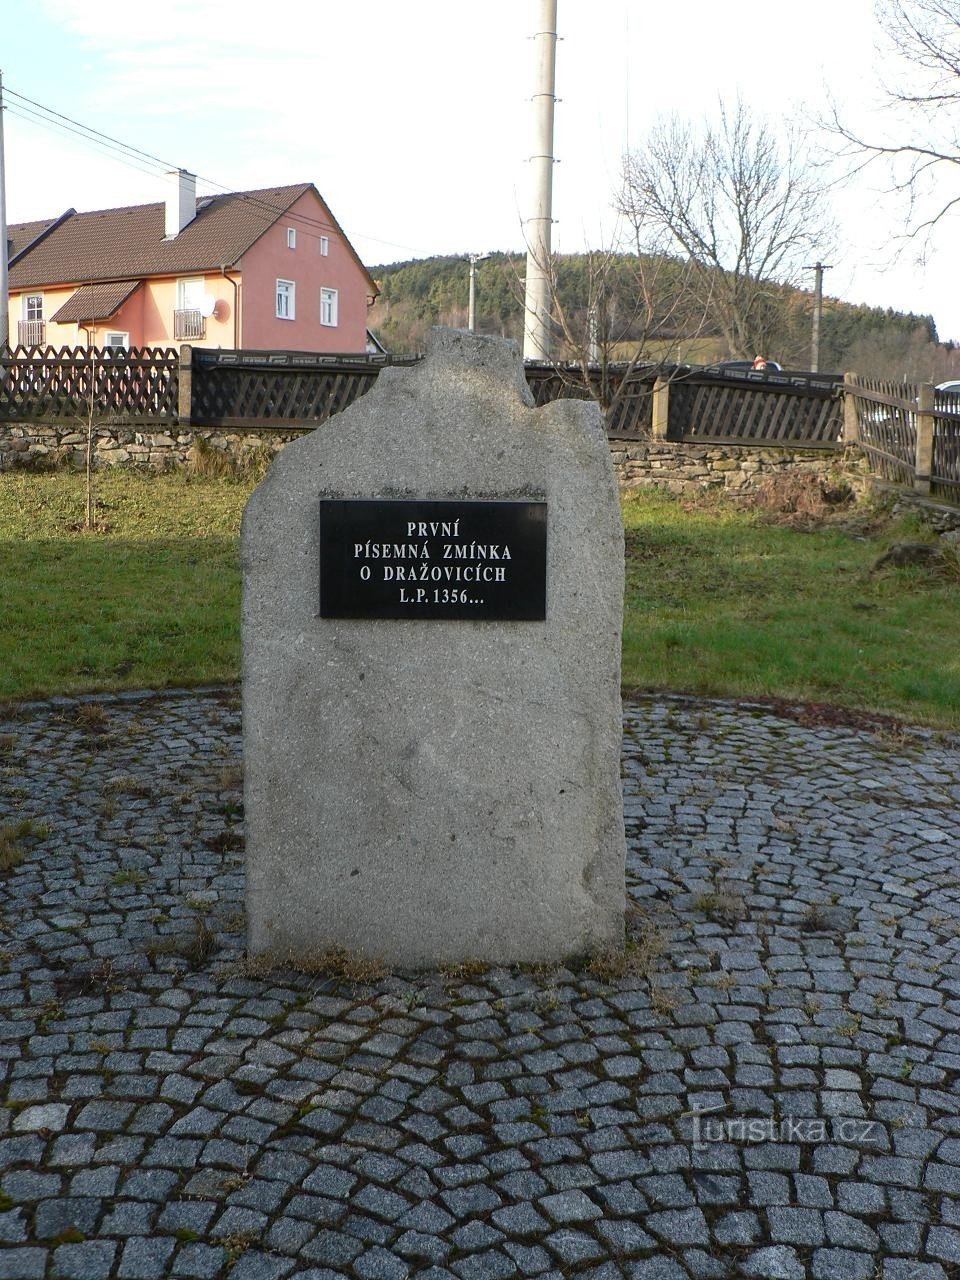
(414, 121)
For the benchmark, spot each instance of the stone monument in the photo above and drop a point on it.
(432, 607)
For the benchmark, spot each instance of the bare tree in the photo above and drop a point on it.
(919, 133)
(634, 310)
(741, 201)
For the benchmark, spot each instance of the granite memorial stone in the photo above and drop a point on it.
(432, 603)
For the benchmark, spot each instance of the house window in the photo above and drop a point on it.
(291, 237)
(324, 246)
(188, 319)
(189, 293)
(31, 331)
(286, 291)
(116, 339)
(328, 306)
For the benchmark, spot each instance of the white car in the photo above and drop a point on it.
(951, 388)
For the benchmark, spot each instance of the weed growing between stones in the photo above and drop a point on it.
(134, 877)
(334, 962)
(236, 1244)
(230, 777)
(128, 785)
(201, 944)
(722, 903)
(465, 969)
(12, 852)
(646, 943)
(91, 717)
(815, 918)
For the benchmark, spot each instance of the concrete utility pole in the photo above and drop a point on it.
(472, 305)
(4, 280)
(818, 268)
(539, 294)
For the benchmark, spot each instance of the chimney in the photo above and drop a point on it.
(181, 202)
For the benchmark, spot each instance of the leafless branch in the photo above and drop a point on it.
(740, 202)
(920, 147)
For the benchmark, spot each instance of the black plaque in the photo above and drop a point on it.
(482, 561)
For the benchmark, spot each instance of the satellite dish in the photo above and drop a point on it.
(208, 305)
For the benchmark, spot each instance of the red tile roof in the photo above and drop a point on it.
(112, 244)
(94, 302)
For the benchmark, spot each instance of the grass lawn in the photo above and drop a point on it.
(718, 601)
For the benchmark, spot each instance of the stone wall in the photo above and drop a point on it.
(675, 466)
(693, 468)
(36, 444)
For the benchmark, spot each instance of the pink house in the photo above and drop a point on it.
(269, 269)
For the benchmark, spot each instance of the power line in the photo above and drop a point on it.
(133, 157)
(88, 129)
(31, 117)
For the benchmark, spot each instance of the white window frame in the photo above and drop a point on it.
(116, 338)
(324, 246)
(190, 291)
(291, 237)
(37, 308)
(287, 308)
(329, 306)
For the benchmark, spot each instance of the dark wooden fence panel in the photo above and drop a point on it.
(626, 393)
(38, 384)
(277, 389)
(780, 409)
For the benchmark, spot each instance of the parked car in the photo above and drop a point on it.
(951, 388)
(748, 366)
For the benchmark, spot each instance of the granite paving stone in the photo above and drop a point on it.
(773, 1092)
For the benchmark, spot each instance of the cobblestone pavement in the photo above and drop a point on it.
(769, 1090)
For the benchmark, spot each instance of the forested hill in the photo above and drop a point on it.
(647, 302)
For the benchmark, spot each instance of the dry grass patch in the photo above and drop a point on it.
(723, 903)
(12, 853)
(646, 943)
(797, 497)
(333, 962)
(230, 777)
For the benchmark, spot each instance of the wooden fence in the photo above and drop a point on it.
(776, 408)
(945, 449)
(274, 390)
(909, 431)
(676, 402)
(44, 384)
(283, 390)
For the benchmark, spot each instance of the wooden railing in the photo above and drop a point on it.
(909, 431)
(708, 405)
